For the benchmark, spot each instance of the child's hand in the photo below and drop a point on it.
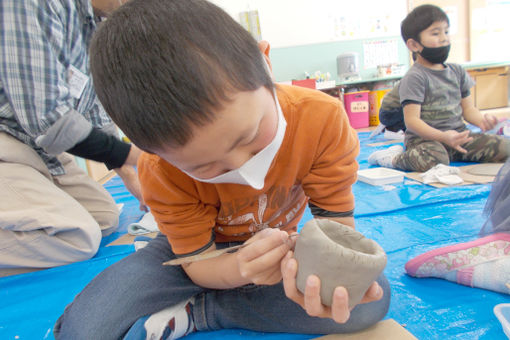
(488, 122)
(259, 262)
(456, 139)
(311, 300)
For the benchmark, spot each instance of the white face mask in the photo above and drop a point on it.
(254, 171)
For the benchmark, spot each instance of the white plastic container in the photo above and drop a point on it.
(380, 176)
(502, 312)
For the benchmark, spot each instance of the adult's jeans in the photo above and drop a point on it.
(140, 285)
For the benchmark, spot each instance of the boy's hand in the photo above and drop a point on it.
(311, 300)
(456, 139)
(488, 122)
(259, 262)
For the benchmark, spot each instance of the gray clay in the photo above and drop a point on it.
(339, 256)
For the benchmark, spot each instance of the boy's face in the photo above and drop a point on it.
(436, 35)
(242, 127)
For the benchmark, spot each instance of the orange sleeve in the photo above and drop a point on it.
(334, 170)
(174, 201)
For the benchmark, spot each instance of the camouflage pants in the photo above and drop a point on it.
(422, 154)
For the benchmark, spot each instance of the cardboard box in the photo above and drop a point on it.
(356, 106)
(375, 100)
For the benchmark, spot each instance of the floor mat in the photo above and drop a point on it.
(405, 219)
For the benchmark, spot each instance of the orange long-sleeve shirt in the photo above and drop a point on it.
(316, 161)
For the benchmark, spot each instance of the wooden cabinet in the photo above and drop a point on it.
(491, 88)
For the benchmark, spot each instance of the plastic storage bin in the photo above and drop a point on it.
(356, 106)
(375, 100)
(380, 176)
(502, 312)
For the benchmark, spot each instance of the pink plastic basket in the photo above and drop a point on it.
(357, 108)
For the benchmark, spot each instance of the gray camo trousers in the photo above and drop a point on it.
(422, 154)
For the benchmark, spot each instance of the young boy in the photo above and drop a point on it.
(436, 98)
(231, 158)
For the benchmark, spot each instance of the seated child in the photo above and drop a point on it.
(391, 114)
(436, 98)
(231, 157)
(482, 263)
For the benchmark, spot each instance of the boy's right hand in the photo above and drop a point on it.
(259, 261)
(456, 139)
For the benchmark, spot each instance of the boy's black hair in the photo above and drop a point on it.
(160, 67)
(419, 19)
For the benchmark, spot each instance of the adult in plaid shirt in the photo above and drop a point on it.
(51, 212)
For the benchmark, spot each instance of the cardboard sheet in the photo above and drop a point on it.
(384, 330)
(129, 239)
(464, 174)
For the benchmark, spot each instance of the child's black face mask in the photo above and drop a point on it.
(435, 55)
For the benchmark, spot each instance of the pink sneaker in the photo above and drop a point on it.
(482, 263)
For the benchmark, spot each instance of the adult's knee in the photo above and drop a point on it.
(108, 220)
(80, 244)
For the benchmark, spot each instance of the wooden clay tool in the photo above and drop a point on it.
(208, 255)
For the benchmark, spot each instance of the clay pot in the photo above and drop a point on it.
(339, 256)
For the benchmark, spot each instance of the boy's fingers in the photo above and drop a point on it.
(313, 304)
(340, 309)
(373, 293)
(269, 277)
(289, 271)
(255, 266)
(461, 149)
(273, 240)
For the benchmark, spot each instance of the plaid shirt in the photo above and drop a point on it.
(40, 40)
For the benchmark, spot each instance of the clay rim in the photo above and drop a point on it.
(377, 252)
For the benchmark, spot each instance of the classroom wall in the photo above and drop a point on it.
(292, 62)
(307, 36)
(489, 30)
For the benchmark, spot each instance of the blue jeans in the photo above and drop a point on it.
(140, 285)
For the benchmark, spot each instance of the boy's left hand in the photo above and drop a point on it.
(311, 300)
(488, 122)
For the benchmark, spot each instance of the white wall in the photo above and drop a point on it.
(300, 22)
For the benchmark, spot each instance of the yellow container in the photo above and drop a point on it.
(375, 100)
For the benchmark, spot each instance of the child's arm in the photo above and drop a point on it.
(472, 115)
(257, 263)
(414, 123)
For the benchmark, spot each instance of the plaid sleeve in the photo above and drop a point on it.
(32, 70)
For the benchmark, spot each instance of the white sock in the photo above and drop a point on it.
(171, 323)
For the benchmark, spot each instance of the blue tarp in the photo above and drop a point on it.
(405, 219)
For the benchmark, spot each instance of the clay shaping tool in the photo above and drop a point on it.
(208, 255)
